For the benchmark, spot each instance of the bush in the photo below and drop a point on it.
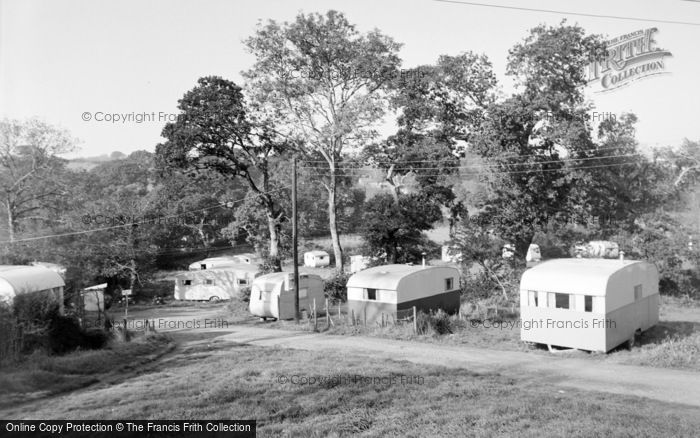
(65, 334)
(244, 294)
(435, 323)
(270, 264)
(35, 308)
(335, 287)
(11, 338)
(152, 289)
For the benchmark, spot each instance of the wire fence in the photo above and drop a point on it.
(328, 315)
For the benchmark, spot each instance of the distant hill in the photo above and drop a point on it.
(87, 163)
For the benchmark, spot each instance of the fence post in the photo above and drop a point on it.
(382, 319)
(279, 311)
(353, 316)
(340, 318)
(315, 320)
(415, 321)
(365, 316)
(126, 332)
(328, 314)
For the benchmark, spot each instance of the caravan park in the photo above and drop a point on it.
(422, 219)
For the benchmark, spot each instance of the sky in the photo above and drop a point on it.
(67, 61)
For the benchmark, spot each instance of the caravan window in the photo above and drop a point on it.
(243, 281)
(203, 266)
(186, 282)
(532, 298)
(561, 301)
(588, 303)
(449, 283)
(371, 294)
(638, 292)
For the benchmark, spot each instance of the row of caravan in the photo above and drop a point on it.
(589, 304)
(384, 289)
(312, 259)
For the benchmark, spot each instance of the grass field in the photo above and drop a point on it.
(41, 375)
(299, 393)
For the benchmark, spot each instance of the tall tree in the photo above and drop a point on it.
(193, 210)
(29, 169)
(530, 139)
(395, 228)
(440, 108)
(217, 131)
(324, 80)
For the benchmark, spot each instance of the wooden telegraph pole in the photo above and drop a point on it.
(295, 255)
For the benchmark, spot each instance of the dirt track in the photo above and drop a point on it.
(656, 383)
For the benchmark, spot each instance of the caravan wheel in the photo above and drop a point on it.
(213, 299)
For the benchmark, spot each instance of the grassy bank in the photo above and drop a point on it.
(301, 393)
(40, 375)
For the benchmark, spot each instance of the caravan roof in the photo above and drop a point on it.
(316, 252)
(582, 276)
(234, 267)
(26, 279)
(386, 276)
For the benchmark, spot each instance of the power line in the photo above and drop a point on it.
(581, 14)
(485, 166)
(565, 169)
(76, 233)
(605, 148)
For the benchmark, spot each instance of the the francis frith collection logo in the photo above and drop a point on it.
(629, 57)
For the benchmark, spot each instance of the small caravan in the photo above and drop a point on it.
(223, 262)
(272, 295)
(214, 284)
(94, 298)
(18, 282)
(588, 304)
(316, 259)
(391, 289)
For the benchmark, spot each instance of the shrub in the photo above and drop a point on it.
(244, 294)
(11, 338)
(270, 264)
(152, 289)
(65, 334)
(335, 287)
(435, 322)
(36, 308)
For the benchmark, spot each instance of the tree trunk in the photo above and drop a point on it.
(394, 184)
(10, 223)
(392, 254)
(332, 222)
(522, 245)
(203, 236)
(273, 226)
(132, 275)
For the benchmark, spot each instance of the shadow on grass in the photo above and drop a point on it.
(661, 332)
(40, 375)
